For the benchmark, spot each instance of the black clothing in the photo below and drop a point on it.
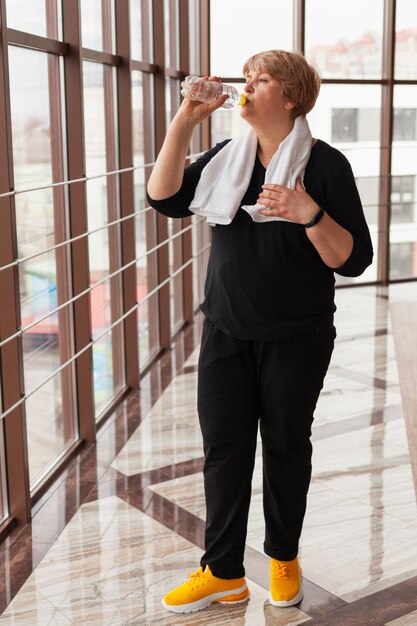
(266, 346)
(266, 280)
(239, 382)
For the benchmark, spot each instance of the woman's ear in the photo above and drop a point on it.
(288, 106)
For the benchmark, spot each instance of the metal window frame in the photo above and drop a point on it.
(78, 219)
(149, 148)
(186, 247)
(11, 355)
(160, 130)
(126, 184)
(387, 116)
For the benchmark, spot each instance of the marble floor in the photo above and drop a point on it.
(125, 521)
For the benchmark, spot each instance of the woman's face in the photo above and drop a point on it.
(264, 98)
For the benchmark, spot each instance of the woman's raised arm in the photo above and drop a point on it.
(167, 174)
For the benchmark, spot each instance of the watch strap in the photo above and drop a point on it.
(315, 220)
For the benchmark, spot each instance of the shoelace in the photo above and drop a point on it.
(194, 579)
(280, 570)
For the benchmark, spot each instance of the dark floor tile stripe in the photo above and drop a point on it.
(365, 379)
(379, 416)
(360, 377)
(316, 601)
(376, 609)
(379, 332)
(154, 476)
(170, 515)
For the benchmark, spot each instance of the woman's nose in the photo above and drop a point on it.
(248, 87)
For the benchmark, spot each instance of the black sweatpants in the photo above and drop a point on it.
(240, 382)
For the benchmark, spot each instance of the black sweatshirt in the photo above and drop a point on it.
(266, 280)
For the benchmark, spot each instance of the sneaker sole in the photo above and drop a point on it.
(295, 600)
(224, 597)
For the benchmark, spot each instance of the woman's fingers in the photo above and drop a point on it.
(271, 197)
(274, 187)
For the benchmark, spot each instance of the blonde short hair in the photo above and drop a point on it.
(300, 81)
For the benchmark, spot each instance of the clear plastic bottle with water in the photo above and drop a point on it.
(207, 91)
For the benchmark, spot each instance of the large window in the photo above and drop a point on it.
(350, 49)
(88, 262)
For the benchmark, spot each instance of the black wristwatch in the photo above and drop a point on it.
(315, 220)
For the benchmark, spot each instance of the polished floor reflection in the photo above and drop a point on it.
(126, 520)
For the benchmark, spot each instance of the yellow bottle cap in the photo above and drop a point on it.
(242, 100)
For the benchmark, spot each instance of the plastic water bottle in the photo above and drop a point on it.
(207, 91)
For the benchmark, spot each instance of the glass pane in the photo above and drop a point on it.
(343, 117)
(135, 30)
(147, 30)
(406, 40)
(46, 345)
(403, 227)
(175, 246)
(31, 124)
(169, 113)
(39, 17)
(145, 228)
(269, 26)
(104, 252)
(41, 218)
(171, 31)
(91, 24)
(343, 40)
(95, 35)
(201, 253)
(176, 287)
(172, 99)
(47, 432)
(194, 34)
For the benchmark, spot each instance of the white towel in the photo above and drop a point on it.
(226, 177)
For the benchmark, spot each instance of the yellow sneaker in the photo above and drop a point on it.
(285, 582)
(202, 589)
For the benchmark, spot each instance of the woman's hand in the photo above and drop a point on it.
(333, 242)
(292, 204)
(195, 111)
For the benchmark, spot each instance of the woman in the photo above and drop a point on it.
(268, 332)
